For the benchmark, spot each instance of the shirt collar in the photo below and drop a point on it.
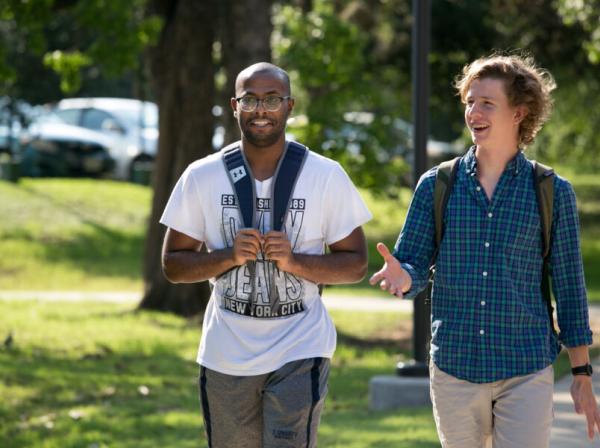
(514, 166)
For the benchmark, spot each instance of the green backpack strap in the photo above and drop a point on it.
(544, 190)
(543, 180)
(444, 181)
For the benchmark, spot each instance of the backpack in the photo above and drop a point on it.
(543, 181)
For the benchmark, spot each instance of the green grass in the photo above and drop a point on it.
(75, 373)
(78, 234)
(72, 234)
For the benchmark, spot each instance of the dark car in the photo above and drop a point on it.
(52, 148)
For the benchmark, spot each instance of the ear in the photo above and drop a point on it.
(233, 104)
(520, 113)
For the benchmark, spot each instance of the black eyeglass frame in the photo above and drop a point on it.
(261, 100)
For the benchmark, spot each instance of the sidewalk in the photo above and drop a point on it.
(332, 301)
(568, 431)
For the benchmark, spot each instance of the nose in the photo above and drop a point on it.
(473, 110)
(260, 105)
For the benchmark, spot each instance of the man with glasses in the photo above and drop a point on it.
(267, 338)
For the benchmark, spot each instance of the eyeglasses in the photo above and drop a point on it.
(271, 103)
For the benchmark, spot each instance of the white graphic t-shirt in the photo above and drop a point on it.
(259, 318)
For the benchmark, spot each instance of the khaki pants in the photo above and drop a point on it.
(512, 413)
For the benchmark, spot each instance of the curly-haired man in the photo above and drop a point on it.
(493, 343)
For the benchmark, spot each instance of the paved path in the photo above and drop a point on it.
(353, 303)
(568, 431)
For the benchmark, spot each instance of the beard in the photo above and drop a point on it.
(261, 140)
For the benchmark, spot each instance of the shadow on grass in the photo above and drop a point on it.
(124, 399)
(389, 345)
(96, 250)
(347, 418)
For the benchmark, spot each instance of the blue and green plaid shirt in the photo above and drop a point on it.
(488, 318)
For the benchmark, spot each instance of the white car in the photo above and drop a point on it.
(131, 126)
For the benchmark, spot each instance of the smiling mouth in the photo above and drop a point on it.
(479, 127)
(260, 123)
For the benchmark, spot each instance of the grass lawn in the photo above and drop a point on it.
(98, 375)
(72, 234)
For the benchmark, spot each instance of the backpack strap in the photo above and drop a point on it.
(544, 191)
(242, 182)
(286, 177)
(444, 182)
(543, 181)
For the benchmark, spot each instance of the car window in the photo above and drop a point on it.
(69, 116)
(96, 119)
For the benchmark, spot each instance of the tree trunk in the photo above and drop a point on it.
(182, 74)
(245, 39)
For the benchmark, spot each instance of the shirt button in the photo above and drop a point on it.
(487, 244)
(478, 188)
(490, 214)
(484, 273)
(481, 332)
(483, 303)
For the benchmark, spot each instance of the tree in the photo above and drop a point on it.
(183, 76)
(244, 39)
(587, 15)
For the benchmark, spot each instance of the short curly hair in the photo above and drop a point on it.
(525, 84)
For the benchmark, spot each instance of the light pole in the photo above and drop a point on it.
(420, 103)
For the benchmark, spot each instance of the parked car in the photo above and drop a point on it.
(51, 147)
(14, 113)
(130, 125)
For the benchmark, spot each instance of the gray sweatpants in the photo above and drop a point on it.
(279, 409)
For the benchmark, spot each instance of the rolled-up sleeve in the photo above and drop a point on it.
(566, 268)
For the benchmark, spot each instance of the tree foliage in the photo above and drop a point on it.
(338, 93)
(586, 13)
(70, 37)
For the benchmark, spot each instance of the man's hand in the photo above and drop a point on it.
(585, 402)
(278, 248)
(246, 246)
(391, 277)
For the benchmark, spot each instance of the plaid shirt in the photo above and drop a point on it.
(488, 318)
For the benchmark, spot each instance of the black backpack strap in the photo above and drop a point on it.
(242, 182)
(444, 182)
(241, 178)
(286, 177)
(543, 181)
